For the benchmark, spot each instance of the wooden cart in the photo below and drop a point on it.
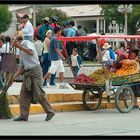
(119, 89)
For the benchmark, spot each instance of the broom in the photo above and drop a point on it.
(5, 112)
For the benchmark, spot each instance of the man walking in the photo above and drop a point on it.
(31, 90)
(56, 58)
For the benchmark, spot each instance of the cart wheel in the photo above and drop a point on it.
(92, 100)
(124, 99)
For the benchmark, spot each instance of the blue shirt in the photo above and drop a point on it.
(54, 44)
(112, 54)
(71, 32)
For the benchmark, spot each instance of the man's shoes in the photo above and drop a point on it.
(49, 116)
(20, 118)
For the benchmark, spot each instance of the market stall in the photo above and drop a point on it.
(115, 85)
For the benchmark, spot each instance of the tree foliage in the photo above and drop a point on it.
(5, 18)
(49, 12)
(110, 12)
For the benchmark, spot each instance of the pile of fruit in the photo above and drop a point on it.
(82, 78)
(99, 76)
(128, 67)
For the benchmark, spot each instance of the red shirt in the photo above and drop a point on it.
(102, 42)
(36, 30)
(53, 25)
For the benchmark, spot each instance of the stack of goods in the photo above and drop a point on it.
(82, 78)
(99, 76)
(128, 67)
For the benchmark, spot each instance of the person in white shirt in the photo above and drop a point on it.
(8, 64)
(39, 47)
(27, 29)
(75, 61)
(106, 57)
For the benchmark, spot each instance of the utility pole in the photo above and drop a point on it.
(34, 16)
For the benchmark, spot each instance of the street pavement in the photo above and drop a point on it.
(101, 122)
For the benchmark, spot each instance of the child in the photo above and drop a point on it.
(75, 61)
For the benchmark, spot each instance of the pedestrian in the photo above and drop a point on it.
(56, 58)
(44, 28)
(72, 31)
(66, 28)
(81, 44)
(46, 62)
(1, 81)
(122, 50)
(107, 57)
(39, 47)
(27, 29)
(7, 52)
(31, 90)
(136, 87)
(75, 61)
(39, 24)
(54, 22)
(92, 46)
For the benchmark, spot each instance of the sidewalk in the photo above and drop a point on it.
(15, 89)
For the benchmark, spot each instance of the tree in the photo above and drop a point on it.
(5, 18)
(49, 12)
(110, 12)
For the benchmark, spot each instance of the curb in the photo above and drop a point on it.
(60, 107)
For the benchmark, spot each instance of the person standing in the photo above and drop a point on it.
(92, 46)
(46, 62)
(27, 29)
(38, 27)
(54, 22)
(56, 58)
(75, 61)
(31, 90)
(39, 47)
(71, 33)
(81, 44)
(44, 28)
(8, 64)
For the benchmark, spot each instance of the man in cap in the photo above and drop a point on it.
(27, 29)
(44, 28)
(54, 22)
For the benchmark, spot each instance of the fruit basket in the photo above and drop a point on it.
(128, 79)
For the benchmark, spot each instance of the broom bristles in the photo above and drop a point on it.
(5, 112)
